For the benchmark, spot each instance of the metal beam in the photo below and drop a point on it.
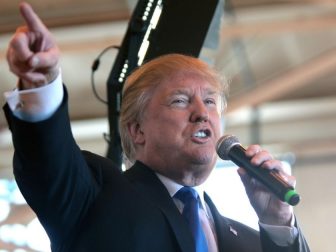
(234, 30)
(288, 82)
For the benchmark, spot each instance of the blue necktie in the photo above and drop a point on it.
(190, 199)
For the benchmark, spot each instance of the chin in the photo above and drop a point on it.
(206, 159)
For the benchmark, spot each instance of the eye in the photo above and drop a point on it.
(180, 101)
(210, 101)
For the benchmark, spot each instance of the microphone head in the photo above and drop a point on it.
(224, 145)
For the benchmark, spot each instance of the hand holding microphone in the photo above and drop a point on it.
(229, 148)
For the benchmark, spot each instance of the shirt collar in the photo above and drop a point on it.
(173, 187)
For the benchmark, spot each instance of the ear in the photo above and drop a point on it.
(136, 133)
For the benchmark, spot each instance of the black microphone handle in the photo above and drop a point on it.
(269, 178)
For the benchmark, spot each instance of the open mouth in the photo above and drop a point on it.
(204, 133)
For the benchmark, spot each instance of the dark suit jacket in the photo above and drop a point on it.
(86, 204)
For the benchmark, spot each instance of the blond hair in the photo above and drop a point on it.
(140, 85)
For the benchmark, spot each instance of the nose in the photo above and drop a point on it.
(200, 112)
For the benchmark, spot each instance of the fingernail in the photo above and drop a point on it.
(34, 61)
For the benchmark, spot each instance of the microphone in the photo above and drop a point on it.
(229, 148)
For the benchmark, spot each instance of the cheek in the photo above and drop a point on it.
(163, 124)
(216, 122)
(171, 119)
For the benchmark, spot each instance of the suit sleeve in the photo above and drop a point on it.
(51, 171)
(300, 244)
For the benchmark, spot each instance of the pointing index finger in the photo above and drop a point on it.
(33, 22)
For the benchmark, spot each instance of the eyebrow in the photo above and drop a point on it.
(188, 91)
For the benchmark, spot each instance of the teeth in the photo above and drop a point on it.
(200, 134)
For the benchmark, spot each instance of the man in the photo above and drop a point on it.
(170, 123)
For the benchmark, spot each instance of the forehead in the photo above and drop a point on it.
(188, 83)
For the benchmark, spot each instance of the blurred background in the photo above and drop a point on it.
(279, 57)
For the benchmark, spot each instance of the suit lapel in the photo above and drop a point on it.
(227, 234)
(147, 183)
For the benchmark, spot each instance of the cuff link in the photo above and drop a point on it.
(20, 105)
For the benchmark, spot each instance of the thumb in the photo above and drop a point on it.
(44, 59)
(249, 183)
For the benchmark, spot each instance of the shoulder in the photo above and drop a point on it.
(102, 168)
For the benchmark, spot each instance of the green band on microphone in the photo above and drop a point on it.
(292, 197)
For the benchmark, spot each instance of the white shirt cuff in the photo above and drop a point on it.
(36, 104)
(281, 235)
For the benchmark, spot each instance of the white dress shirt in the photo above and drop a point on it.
(36, 104)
